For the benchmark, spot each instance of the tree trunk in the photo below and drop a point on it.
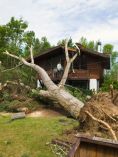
(69, 103)
(56, 92)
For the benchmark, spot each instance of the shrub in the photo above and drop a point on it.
(107, 82)
(4, 106)
(76, 92)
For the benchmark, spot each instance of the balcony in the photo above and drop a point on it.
(77, 74)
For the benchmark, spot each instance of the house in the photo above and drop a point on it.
(86, 71)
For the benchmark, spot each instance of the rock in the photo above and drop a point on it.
(19, 115)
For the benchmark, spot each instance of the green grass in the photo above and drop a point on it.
(29, 137)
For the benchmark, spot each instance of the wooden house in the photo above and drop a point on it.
(86, 71)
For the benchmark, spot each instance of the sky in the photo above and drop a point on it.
(60, 19)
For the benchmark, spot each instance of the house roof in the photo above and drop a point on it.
(82, 50)
(57, 50)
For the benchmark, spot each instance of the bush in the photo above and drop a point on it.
(9, 106)
(14, 105)
(4, 106)
(6, 96)
(107, 82)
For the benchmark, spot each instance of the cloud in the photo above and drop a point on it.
(57, 19)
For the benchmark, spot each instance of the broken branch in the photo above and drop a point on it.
(103, 123)
(31, 54)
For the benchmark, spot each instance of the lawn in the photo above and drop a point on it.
(30, 137)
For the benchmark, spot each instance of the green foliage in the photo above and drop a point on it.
(93, 45)
(84, 42)
(13, 105)
(9, 106)
(80, 94)
(15, 39)
(62, 42)
(23, 73)
(4, 106)
(108, 49)
(113, 57)
(6, 96)
(107, 82)
(111, 78)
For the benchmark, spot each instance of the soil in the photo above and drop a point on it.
(44, 113)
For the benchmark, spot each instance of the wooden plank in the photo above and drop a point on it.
(74, 149)
(99, 151)
(115, 153)
(91, 150)
(82, 150)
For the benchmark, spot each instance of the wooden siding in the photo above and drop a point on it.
(85, 66)
(91, 147)
(94, 150)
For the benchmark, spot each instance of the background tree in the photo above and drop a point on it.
(15, 38)
(70, 42)
(44, 44)
(108, 49)
(84, 42)
(93, 45)
(111, 76)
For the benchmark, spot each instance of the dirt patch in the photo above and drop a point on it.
(44, 113)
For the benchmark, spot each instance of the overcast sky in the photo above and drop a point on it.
(58, 19)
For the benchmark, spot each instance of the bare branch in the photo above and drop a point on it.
(31, 54)
(11, 68)
(103, 123)
(68, 64)
(11, 55)
(77, 48)
(66, 50)
(74, 57)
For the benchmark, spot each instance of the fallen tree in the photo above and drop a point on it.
(54, 91)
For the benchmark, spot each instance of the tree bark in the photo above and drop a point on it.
(56, 92)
